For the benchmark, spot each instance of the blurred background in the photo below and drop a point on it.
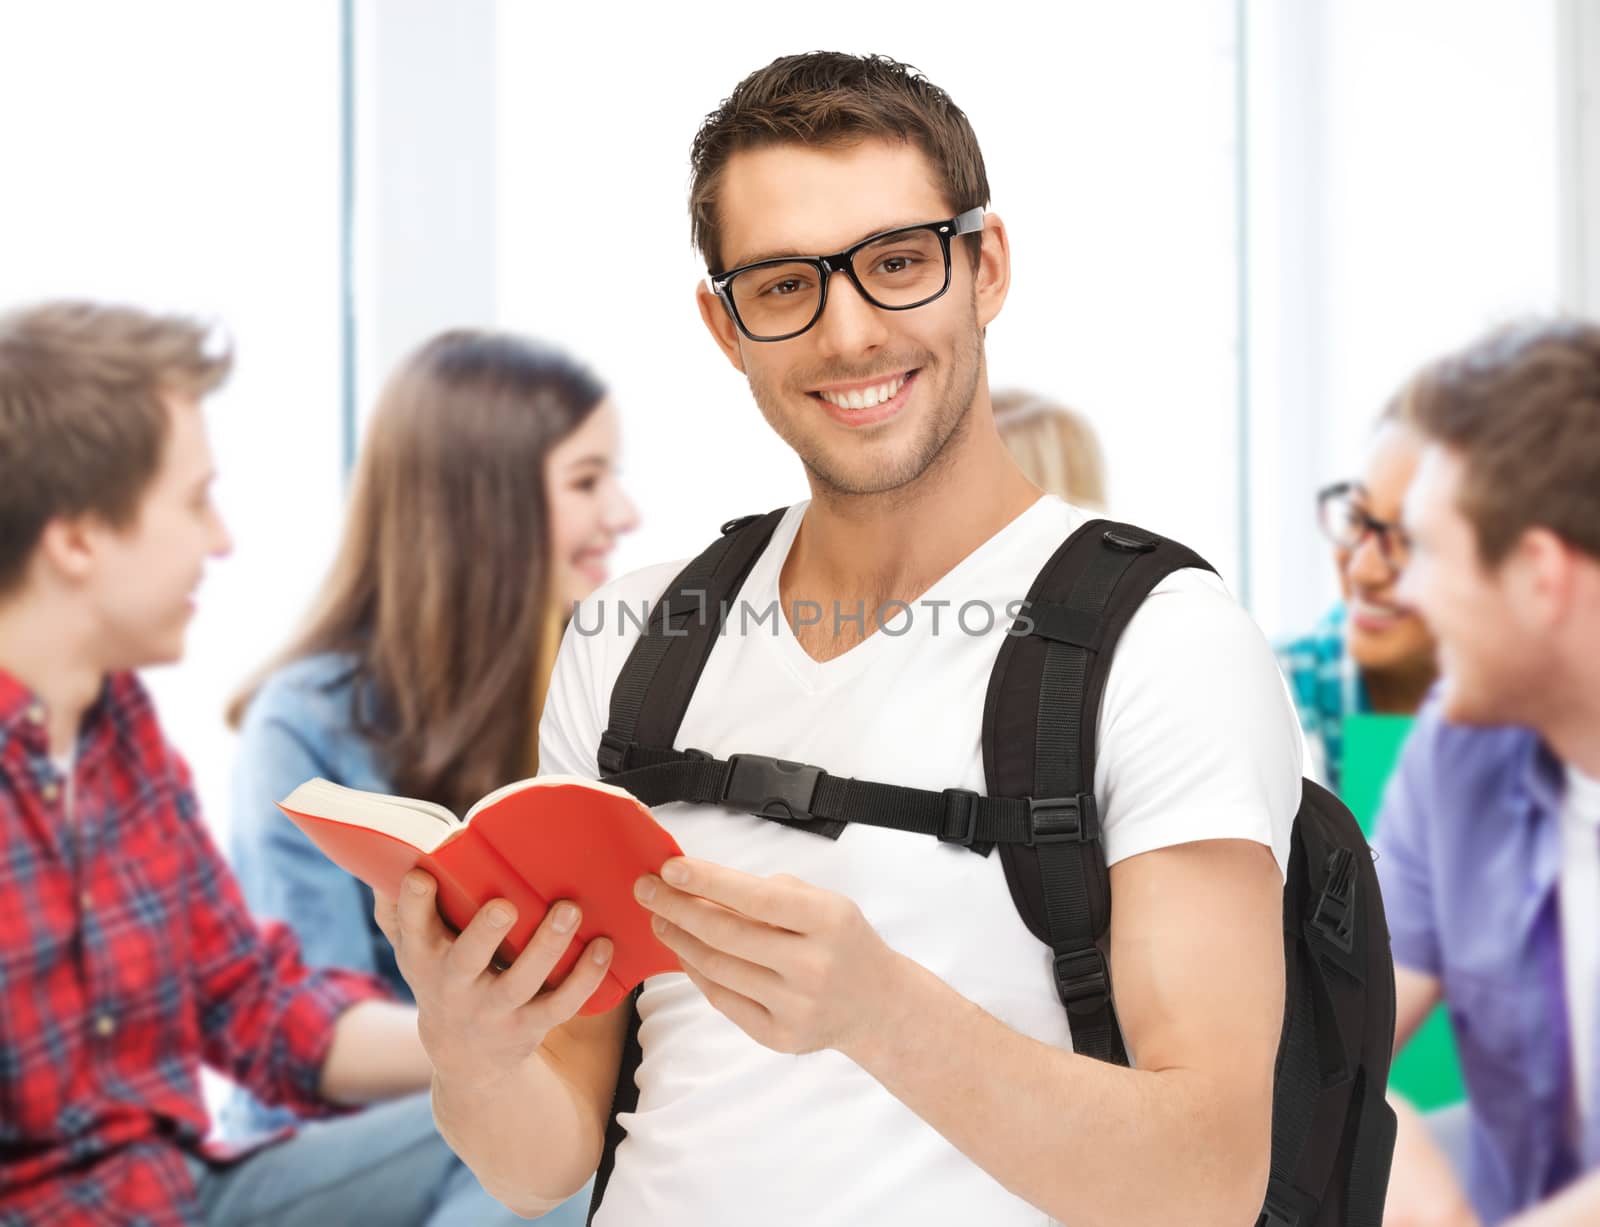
(1236, 226)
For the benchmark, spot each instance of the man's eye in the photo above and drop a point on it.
(784, 288)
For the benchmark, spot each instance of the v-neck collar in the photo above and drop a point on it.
(764, 594)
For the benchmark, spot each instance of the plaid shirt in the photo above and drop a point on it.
(1327, 687)
(128, 957)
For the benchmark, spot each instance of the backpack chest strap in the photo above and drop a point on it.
(806, 796)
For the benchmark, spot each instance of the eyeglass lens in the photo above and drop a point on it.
(1346, 522)
(899, 270)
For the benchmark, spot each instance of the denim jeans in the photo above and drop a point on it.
(386, 1165)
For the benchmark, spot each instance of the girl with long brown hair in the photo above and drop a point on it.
(484, 504)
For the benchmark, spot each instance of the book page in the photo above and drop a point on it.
(422, 824)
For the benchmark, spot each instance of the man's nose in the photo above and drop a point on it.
(1367, 565)
(849, 324)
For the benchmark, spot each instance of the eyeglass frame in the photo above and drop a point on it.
(970, 222)
(1390, 533)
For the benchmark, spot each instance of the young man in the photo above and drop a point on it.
(937, 1082)
(127, 957)
(1489, 839)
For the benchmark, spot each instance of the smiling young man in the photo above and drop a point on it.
(1489, 838)
(127, 956)
(838, 201)
(1371, 652)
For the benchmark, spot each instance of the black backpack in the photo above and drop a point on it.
(1332, 1131)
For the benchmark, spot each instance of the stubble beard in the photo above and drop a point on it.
(833, 473)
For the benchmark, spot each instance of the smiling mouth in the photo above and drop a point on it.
(869, 397)
(1377, 611)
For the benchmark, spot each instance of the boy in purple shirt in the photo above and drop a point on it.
(1489, 839)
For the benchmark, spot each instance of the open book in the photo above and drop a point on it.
(534, 842)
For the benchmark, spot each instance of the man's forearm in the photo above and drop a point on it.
(1091, 1144)
(375, 1054)
(526, 1136)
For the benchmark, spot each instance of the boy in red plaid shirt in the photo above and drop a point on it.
(127, 955)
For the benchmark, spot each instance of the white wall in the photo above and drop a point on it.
(1108, 134)
(186, 156)
(425, 200)
(1405, 183)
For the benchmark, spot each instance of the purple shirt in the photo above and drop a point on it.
(1469, 853)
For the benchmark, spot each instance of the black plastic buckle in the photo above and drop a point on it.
(613, 753)
(960, 819)
(1129, 540)
(1056, 820)
(757, 783)
(1083, 981)
(734, 525)
(1334, 918)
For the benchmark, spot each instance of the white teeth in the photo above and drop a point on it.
(1370, 610)
(865, 398)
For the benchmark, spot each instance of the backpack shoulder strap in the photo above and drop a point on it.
(1039, 741)
(657, 681)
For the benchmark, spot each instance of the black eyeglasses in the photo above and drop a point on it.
(773, 300)
(1346, 522)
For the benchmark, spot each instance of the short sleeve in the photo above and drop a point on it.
(571, 724)
(1401, 839)
(1198, 738)
(284, 875)
(596, 642)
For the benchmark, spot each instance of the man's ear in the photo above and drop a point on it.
(992, 280)
(68, 545)
(720, 325)
(1542, 572)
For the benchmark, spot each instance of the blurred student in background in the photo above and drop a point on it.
(127, 955)
(1489, 838)
(484, 504)
(1055, 447)
(1372, 652)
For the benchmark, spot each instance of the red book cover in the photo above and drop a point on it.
(534, 842)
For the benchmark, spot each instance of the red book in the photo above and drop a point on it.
(535, 842)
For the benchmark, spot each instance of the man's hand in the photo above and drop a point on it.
(1423, 1189)
(796, 967)
(477, 1024)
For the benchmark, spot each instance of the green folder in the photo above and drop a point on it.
(1427, 1072)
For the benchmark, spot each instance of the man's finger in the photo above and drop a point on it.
(563, 1003)
(755, 981)
(526, 976)
(722, 928)
(472, 952)
(385, 913)
(781, 901)
(418, 914)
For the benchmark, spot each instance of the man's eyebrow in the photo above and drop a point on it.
(789, 253)
(597, 460)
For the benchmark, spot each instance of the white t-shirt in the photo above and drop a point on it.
(1198, 740)
(1580, 927)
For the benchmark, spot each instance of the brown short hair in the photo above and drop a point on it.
(1522, 407)
(828, 98)
(82, 415)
